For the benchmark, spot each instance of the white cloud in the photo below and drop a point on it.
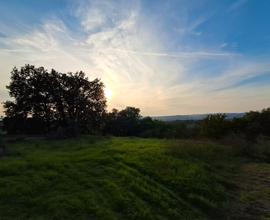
(133, 61)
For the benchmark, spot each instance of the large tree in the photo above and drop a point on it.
(55, 99)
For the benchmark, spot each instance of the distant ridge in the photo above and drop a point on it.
(194, 117)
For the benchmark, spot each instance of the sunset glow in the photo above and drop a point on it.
(108, 93)
(167, 57)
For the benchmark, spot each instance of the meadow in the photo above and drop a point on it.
(131, 178)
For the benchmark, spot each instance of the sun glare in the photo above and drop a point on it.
(108, 93)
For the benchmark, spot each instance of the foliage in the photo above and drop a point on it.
(124, 122)
(128, 122)
(67, 104)
(214, 126)
(44, 101)
(257, 123)
(251, 125)
(2, 146)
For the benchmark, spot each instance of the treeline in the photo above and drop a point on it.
(68, 104)
(250, 126)
(128, 122)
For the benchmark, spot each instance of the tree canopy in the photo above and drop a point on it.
(50, 99)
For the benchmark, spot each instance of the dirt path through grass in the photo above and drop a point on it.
(253, 193)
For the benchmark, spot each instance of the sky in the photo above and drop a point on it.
(166, 57)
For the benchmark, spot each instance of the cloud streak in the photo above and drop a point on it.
(187, 55)
(117, 45)
(237, 4)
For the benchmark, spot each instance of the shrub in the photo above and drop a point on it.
(2, 146)
(214, 126)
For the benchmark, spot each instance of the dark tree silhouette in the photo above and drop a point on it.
(214, 125)
(257, 123)
(48, 100)
(124, 122)
(68, 104)
(2, 146)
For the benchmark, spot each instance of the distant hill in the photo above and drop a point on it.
(194, 117)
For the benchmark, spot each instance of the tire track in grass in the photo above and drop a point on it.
(158, 193)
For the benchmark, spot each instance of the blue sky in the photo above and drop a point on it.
(165, 57)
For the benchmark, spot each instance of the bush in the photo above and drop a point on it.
(2, 147)
(69, 131)
(214, 126)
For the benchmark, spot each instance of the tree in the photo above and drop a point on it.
(265, 121)
(128, 119)
(83, 102)
(257, 123)
(124, 122)
(214, 126)
(51, 100)
(111, 123)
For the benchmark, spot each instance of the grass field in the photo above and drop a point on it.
(119, 178)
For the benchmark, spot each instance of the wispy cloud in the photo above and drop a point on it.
(117, 45)
(182, 55)
(237, 4)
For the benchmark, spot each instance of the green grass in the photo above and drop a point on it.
(115, 178)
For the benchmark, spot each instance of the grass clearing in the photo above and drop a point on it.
(116, 178)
